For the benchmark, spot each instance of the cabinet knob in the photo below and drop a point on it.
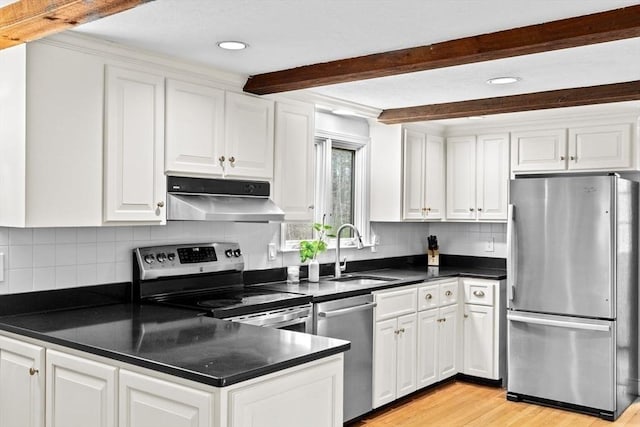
(428, 209)
(402, 330)
(448, 293)
(471, 209)
(573, 158)
(33, 371)
(161, 204)
(428, 296)
(561, 157)
(478, 293)
(232, 160)
(466, 316)
(311, 207)
(479, 209)
(397, 332)
(221, 159)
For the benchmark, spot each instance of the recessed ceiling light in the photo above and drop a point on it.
(232, 45)
(503, 80)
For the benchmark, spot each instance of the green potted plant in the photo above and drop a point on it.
(309, 249)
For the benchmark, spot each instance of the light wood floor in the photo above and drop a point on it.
(464, 404)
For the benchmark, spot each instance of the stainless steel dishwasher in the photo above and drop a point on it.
(351, 319)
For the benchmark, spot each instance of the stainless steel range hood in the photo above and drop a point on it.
(202, 199)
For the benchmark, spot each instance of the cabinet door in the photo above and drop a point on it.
(22, 384)
(394, 303)
(600, 147)
(294, 169)
(195, 128)
(384, 362)
(413, 175)
(493, 176)
(407, 350)
(428, 297)
(146, 401)
(134, 179)
(427, 348)
(80, 392)
(248, 136)
(461, 177)
(479, 341)
(539, 150)
(448, 342)
(434, 199)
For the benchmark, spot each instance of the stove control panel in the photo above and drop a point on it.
(176, 260)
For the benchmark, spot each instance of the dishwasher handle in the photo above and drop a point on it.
(348, 310)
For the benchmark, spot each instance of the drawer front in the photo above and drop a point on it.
(395, 303)
(448, 293)
(479, 292)
(428, 297)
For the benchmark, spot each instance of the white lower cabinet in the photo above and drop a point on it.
(83, 392)
(22, 384)
(483, 328)
(80, 392)
(151, 402)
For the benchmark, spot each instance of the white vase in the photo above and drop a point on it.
(314, 270)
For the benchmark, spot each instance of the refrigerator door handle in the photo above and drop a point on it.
(511, 253)
(558, 323)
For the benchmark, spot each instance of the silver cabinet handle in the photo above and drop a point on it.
(478, 293)
(479, 209)
(558, 323)
(221, 159)
(573, 158)
(561, 157)
(33, 371)
(471, 209)
(161, 204)
(448, 293)
(466, 316)
(343, 311)
(428, 296)
(232, 160)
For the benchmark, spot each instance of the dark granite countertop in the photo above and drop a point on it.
(175, 341)
(328, 290)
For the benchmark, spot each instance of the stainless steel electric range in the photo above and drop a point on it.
(207, 278)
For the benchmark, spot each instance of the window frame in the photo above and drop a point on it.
(323, 142)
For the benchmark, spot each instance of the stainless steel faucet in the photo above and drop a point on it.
(340, 268)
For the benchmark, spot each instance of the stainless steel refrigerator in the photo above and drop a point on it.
(572, 292)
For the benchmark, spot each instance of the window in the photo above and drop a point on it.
(340, 191)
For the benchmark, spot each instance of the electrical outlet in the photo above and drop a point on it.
(271, 251)
(488, 245)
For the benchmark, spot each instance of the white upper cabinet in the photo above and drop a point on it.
(492, 182)
(248, 136)
(594, 147)
(461, 177)
(386, 172)
(51, 136)
(539, 150)
(600, 147)
(423, 176)
(294, 171)
(134, 181)
(194, 128)
(477, 177)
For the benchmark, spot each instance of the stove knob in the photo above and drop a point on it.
(237, 253)
(161, 257)
(228, 253)
(171, 256)
(149, 259)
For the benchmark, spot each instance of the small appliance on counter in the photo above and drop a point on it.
(433, 252)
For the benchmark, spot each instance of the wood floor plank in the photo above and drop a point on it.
(460, 404)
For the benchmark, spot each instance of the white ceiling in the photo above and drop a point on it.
(288, 33)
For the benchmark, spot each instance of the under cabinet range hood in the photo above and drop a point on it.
(205, 199)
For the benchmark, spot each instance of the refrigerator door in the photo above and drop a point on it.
(565, 359)
(562, 245)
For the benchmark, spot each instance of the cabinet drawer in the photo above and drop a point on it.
(448, 293)
(478, 291)
(428, 297)
(395, 303)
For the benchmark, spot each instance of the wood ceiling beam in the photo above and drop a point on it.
(28, 20)
(565, 33)
(617, 92)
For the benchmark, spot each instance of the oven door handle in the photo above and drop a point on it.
(343, 311)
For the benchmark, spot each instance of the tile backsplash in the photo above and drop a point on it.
(52, 258)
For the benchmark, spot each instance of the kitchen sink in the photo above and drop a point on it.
(360, 280)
